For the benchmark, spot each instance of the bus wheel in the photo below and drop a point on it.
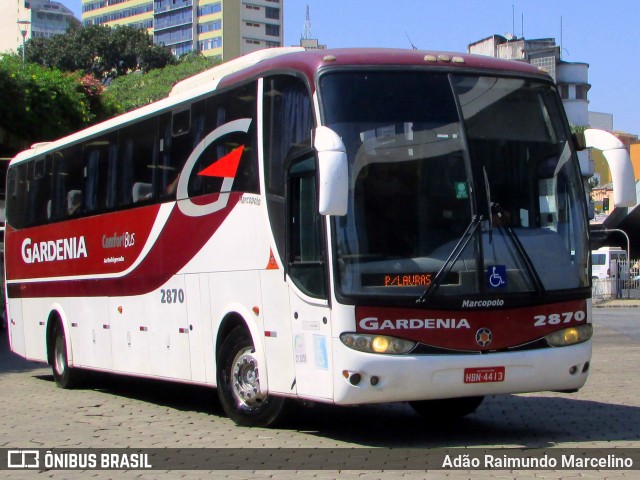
(64, 375)
(239, 383)
(446, 409)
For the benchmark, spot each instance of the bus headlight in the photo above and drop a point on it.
(570, 336)
(376, 343)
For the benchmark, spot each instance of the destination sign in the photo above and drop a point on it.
(405, 279)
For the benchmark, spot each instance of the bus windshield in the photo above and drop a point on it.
(469, 176)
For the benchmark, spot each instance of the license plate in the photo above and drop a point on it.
(484, 375)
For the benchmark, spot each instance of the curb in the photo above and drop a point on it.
(617, 304)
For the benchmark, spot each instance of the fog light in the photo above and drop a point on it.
(355, 379)
(374, 381)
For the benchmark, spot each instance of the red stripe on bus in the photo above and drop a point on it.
(170, 253)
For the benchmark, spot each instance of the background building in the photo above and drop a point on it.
(572, 78)
(219, 28)
(603, 121)
(41, 18)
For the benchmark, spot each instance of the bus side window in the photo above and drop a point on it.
(288, 121)
(139, 154)
(100, 174)
(67, 183)
(306, 245)
(125, 190)
(181, 131)
(16, 194)
(221, 110)
(241, 103)
(40, 192)
(216, 116)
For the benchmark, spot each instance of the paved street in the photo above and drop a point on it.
(122, 412)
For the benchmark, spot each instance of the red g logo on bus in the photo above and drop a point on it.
(484, 336)
(225, 167)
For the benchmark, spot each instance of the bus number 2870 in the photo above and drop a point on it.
(171, 295)
(557, 318)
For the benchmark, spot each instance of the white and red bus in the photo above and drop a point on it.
(347, 226)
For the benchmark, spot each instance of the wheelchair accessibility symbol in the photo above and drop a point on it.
(497, 276)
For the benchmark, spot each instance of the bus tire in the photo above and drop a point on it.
(63, 374)
(239, 383)
(446, 409)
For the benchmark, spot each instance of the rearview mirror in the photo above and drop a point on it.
(333, 172)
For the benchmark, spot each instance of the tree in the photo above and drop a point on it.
(41, 104)
(136, 90)
(99, 50)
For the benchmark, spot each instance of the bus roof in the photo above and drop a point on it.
(310, 61)
(283, 59)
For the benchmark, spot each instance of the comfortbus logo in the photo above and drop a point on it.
(54, 250)
(124, 240)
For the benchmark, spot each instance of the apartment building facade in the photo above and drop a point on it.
(218, 28)
(31, 19)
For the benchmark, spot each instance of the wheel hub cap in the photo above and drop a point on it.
(245, 381)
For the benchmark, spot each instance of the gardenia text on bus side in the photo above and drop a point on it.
(54, 250)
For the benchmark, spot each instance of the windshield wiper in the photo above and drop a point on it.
(476, 221)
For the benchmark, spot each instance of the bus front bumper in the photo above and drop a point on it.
(372, 378)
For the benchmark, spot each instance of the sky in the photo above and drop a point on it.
(605, 35)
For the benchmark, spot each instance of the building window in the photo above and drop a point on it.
(272, 30)
(564, 91)
(173, 19)
(210, 44)
(209, 9)
(272, 13)
(581, 92)
(119, 15)
(172, 37)
(210, 26)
